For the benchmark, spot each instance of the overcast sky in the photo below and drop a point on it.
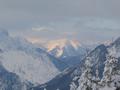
(85, 20)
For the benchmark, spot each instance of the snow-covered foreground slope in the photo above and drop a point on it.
(30, 63)
(94, 66)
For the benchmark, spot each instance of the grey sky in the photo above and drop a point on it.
(80, 19)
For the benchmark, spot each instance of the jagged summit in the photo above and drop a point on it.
(63, 47)
(62, 43)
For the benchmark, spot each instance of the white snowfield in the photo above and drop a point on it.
(34, 70)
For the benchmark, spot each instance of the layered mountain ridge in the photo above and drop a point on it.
(97, 60)
(68, 51)
(30, 63)
(24, 66)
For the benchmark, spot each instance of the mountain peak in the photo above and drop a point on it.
(63, 46)
(61, 43)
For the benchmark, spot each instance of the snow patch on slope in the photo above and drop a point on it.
(34, 70)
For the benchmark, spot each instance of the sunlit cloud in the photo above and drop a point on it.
(36, 40)
(39, 29)
(54, 32)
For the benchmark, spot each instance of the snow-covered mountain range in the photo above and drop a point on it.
(68, 51)
(99, 70)
(31, 64)
(63, 65)
(63, 48)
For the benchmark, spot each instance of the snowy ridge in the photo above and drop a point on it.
(63, 48)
